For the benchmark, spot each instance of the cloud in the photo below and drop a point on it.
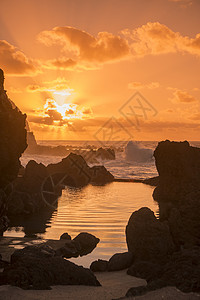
(183, 3)
(155, 38)
(15, 62)
(60, 84)
(62, 63)
(183, 97)
(84, 47)
(139, 85)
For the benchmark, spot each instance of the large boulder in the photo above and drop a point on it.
(38, 268)
(120, 261)
(86, 242)
(75, 167)
(147, 238)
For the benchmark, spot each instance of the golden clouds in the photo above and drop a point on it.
(83, 47)
(183, 97)
(14, 61)
(139, 85)
(155, 38)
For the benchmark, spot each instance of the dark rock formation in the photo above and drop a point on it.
(13, 137)
(39, 186)
(105, 153)
(86, 242)
(147, 238)
(178, 191)
(99, 265)
(65, 236)
(12, 145)
(34, 148)
(178, 196)
(69, 250)
(182, 270)
(154, 181)
(99, 175)
(76, 167)
(39, 268)
(83, 244)
(120, 261)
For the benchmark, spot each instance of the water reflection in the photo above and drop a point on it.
(101, 210)
(30, 225)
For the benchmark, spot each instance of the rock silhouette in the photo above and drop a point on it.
(12, 145)
(167, 249)
(13, 137)
(40, 187)
(37, 267)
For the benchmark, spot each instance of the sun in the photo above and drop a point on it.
(67, 110)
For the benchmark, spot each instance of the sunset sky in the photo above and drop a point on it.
(73, 66)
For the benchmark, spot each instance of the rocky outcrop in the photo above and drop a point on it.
(99, 175)
(39, 186)
(148, 238)
(105, 153)
(37, 267)
(13, 137)
(12, 145)
(178, 191)
(167, 250)
(182, 270)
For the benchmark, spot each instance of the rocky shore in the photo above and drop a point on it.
(163, 251)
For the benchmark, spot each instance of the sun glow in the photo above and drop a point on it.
(67, 110)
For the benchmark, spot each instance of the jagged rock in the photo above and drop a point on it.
(13, 137)
(12, 145)
(65, 236)
(40, 186)
(40, 269)
(99, 265)
(99, 175)
(120, 261)
(105, 153)
(86, 242)
(147, 238)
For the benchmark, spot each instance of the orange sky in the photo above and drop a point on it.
(72, 67)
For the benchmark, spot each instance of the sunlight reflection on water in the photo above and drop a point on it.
(101, 210)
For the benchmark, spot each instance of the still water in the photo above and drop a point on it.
(100, 210)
